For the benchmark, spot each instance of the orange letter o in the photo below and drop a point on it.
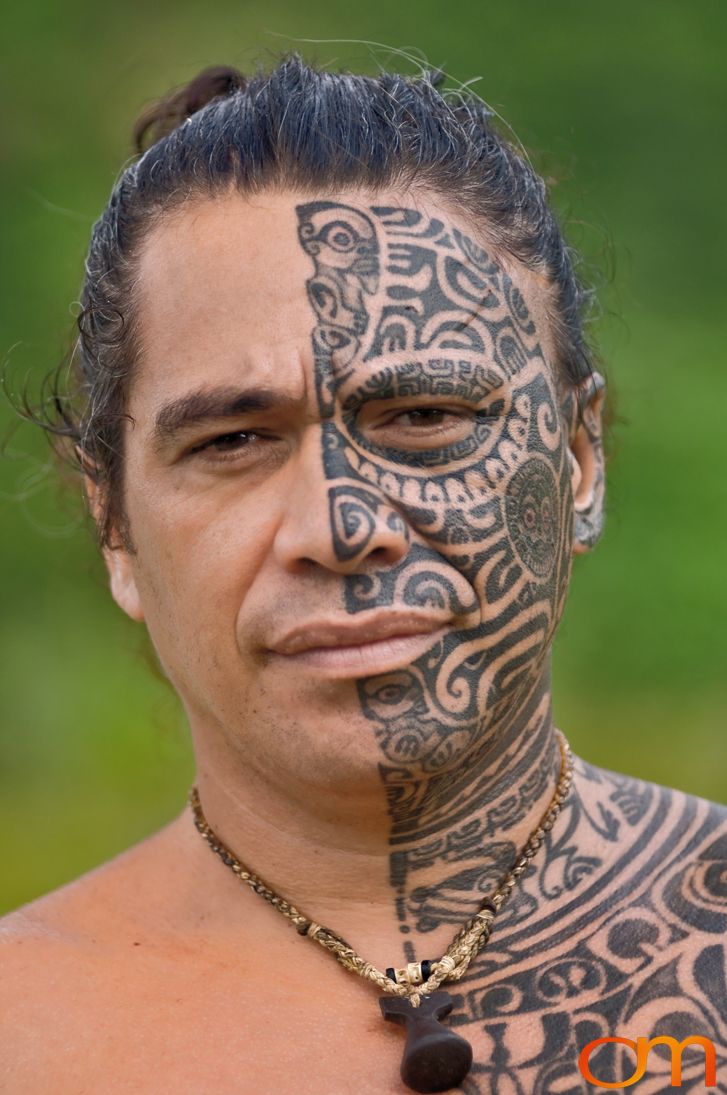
(586, 1070)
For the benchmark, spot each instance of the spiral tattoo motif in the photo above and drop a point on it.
(531, 507)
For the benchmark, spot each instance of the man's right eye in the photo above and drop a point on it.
(227, 440)
(225, 446)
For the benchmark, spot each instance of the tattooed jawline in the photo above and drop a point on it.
(502, 777)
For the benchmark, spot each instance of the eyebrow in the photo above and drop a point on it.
(213, 404)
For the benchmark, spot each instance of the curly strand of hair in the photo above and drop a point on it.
(215, 82)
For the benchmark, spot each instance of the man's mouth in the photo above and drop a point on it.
(376, 643)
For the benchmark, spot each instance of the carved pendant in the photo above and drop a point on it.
(435, 1058)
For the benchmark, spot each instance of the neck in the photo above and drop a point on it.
(412, 864)
(448, 856)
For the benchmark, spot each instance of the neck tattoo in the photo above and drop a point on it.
(435, 1058)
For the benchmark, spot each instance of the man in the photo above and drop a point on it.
(352, 560)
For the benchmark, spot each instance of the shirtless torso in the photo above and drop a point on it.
(114, 984)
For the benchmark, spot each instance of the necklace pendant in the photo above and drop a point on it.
(435, 1058)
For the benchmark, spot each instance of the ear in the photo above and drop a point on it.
(123, 583)
(588, 472)
(118, 561)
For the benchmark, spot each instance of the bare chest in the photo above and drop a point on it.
(157, 1027)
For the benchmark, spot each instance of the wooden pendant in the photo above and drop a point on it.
(435, 1058)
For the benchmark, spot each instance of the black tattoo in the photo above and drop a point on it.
(410, 312)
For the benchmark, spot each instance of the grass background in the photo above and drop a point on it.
(624, 105)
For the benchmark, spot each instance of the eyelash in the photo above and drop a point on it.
(206, 446)
(425, 411)
(468, 413)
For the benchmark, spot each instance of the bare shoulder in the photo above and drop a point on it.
(52, 938)
(95, 906)
(659, 872)
(675, 830)
(77, 955)
(114, 983)
(53, 933)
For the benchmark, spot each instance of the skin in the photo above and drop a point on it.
(384, 444)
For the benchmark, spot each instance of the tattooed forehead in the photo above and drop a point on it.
(391, 284)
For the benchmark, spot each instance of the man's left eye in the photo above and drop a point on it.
(425, 416)
(428, 417)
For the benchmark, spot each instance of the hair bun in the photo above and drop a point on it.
(166, 114)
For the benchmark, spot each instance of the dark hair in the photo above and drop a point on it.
(314, 131)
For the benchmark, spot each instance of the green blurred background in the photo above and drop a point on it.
(624, 105)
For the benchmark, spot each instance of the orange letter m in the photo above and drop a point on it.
(643, 1045)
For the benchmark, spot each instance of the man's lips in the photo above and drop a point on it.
(358, 632)
(366, 645)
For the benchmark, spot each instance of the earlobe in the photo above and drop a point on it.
(118, 562)
(588, 465)
(123, 583)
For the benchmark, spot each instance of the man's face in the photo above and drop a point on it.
(347, 481)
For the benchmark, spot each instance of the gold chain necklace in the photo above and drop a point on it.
(435, 1058)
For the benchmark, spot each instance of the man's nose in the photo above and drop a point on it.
(341, 523)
